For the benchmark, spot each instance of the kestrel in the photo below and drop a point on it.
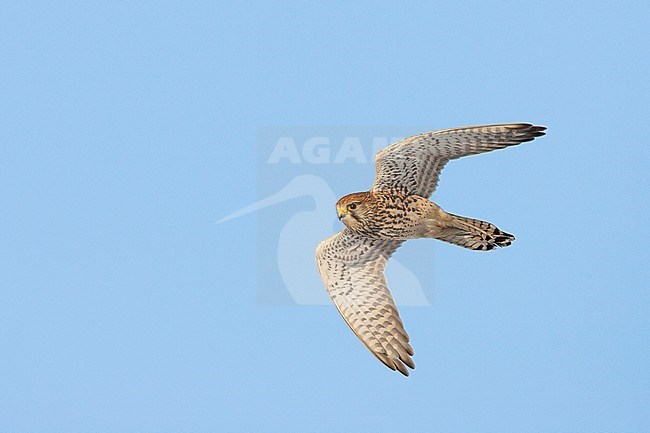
(397, 207)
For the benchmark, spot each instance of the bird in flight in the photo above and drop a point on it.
(397, 207)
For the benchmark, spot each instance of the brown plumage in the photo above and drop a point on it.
(397, 208)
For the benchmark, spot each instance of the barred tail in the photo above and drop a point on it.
(473, 234)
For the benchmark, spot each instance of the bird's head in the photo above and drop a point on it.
(352, 208)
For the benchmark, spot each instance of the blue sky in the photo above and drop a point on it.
(128, 128)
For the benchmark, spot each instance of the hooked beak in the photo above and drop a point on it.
(340, 215)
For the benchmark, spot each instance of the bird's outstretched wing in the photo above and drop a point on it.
(413, 165)
(352, 268)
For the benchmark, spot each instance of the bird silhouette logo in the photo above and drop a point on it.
(302, 231)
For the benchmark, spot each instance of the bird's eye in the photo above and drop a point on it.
(352, 206)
